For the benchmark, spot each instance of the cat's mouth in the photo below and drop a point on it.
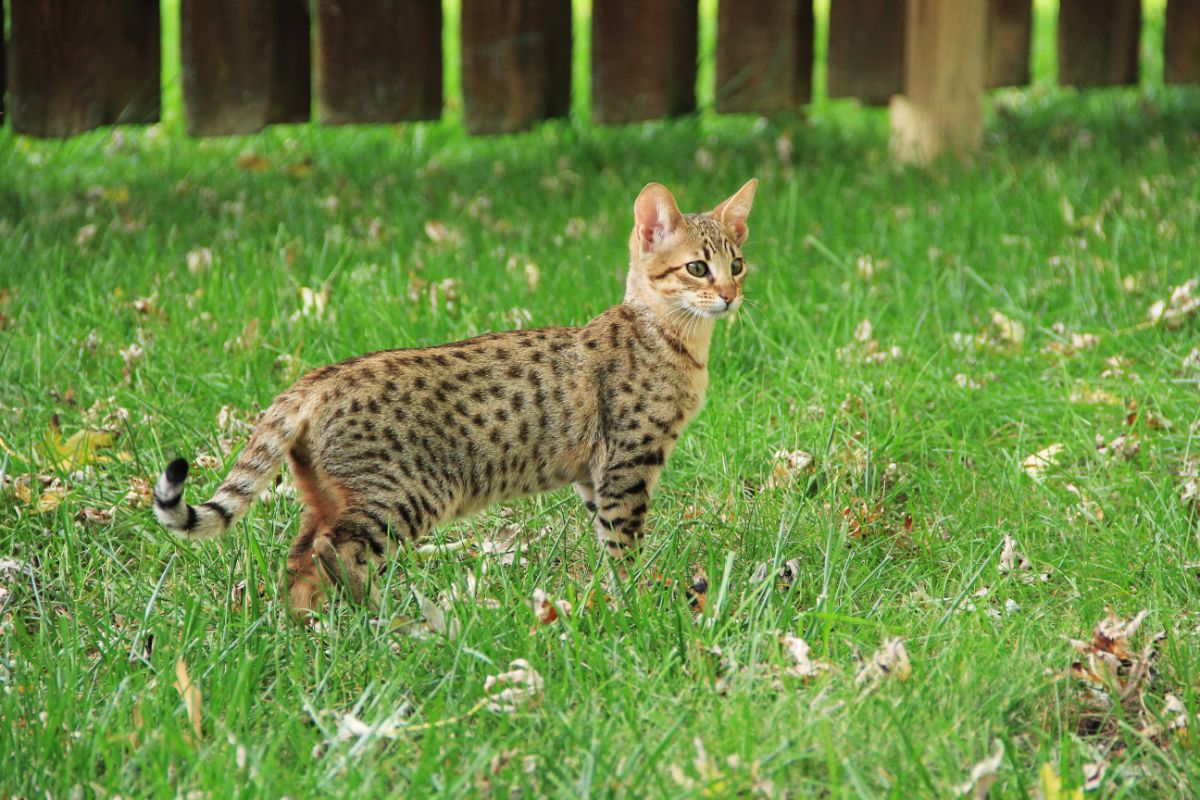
(714, 312)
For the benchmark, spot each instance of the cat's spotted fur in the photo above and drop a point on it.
(387, 445)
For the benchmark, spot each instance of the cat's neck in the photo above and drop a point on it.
(693, 333)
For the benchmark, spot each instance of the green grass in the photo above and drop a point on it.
(89, 705)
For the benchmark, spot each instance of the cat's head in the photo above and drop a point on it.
(686, 266)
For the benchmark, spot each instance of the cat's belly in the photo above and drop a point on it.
(566, 466)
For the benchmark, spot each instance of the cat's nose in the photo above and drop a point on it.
(727, 293)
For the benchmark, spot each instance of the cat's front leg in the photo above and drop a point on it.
(623, 486)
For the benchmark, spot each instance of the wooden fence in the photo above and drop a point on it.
(251, 63)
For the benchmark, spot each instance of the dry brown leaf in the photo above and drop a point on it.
(96, 516)
(77, 451)
(199, 260)
(983, 775)
(510, 691)
(441, 233)
(51, 496)
(1037, 465)
(805, 666)
(787, 466)
(140, 493)
(435, 617)
(1070, 343)
(1182, 304)
(546, 610)
(1083, 394)
(889, 661)
(252, 162)
(1125, 447)
(189, 692)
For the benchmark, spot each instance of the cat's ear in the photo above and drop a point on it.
(733, 212)
(655, 216)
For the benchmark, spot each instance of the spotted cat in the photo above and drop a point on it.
(387, 445)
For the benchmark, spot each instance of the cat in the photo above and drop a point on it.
(385, 446)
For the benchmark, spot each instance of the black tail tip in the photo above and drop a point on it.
(177, 470)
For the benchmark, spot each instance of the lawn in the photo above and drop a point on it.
(921, 334)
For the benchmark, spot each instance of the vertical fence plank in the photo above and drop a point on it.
(764, 55)
(1009, 38)
(510, 52)
(942, 107)
(1181, 51)
(245, 64)
(379, 60)
(866, 49)
(3, 64)
(76, 66)
(1098, 42)
(643, 59)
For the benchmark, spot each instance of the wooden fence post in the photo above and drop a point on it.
(866, 49)
(1181, 50)
(77, 66)
(3, 63)
(245, 64)
(1009, 38)
(510, 53)
(1098, 42)
(764, 55)
(643, 59)
(945, 67)
(379, 60)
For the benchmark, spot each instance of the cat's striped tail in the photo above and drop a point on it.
(251, 474)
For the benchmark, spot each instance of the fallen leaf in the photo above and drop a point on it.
(787, 573)
(1010, 559)
(85, 235)
(1052, 788)
(96, 516)
(509, 691)
(1007, 331)
(1037, 465)
(889, 661)
(435, 616)
(190, 694)
(1086, 507)
(441, 233)
(805, 666)
(788, 466)
(140, 493)
(79, 450)
(1125, 447)
(252, 162)
(983, 775)
(199, 260)
(1083, 394)
(51, 496)
(1182, 304)
(1093, 775)
(546, 610)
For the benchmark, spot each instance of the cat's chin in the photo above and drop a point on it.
(712, 313)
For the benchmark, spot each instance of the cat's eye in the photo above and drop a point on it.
(737, 267)
(697, 269)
